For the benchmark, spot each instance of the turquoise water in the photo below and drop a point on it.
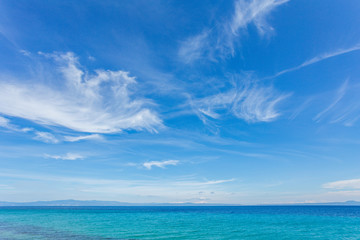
(270, 222)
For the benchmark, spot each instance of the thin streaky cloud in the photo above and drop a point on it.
(345, 107)
(344, 184)
(301, 108)
(317, 59)
(109, 182)
(206, 182)
(45, 137)
(160, 164)
(339, 95)
(351, 122)
(5, 123)
(6, 33)
(67, 156)
(83, 137)
(56, 178)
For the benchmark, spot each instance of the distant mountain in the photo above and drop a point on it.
(76, 203)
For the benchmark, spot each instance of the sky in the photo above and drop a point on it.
(237, 102)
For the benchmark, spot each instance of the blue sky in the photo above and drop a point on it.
(180, 101)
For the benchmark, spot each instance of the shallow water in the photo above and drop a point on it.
(253, 222)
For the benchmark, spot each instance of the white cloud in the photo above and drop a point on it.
(160, 164)
(45, 137)
(319, 58)
(344, 108)
(115, 182)
(68, 156)
(85, 137)
(205, 183)
(247, 100)
(255, 12)
(5, 123)
(102, 102)
(220, 40)
(194, 47)
(25, 53)
(340, 94)
(344, 184)
(40, 136)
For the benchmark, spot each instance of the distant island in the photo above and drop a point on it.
(79, 203)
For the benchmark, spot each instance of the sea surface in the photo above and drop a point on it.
(240, 222)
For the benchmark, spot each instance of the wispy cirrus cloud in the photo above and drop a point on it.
(339, 95)
(45, 137)
(256, 12)
(220, 40)
(194, 47)
(344, 184)
(344, 108)
(39, 135)
(67, 156)
(5, 123)
(247, 100)
(211, 182)
(83, 137)
(319, 58)
(160, 164)
(102, 102)
(108, 181)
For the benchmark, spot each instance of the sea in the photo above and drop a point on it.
(177, 222)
